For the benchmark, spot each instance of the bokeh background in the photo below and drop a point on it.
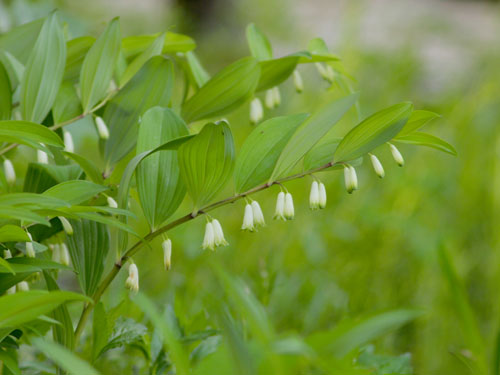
(377, 249)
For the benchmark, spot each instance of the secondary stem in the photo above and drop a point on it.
(138, 245)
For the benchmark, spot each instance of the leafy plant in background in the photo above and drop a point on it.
(158, 113)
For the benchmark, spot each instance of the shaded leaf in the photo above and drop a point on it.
(274, 72)
(429, 140)
(5, 94)
(259, 45)
(75, 191)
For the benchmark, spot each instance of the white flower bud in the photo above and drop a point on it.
(330, 74)
(256, 111)
(102, 129)
(30, 250)
(289, 210)
(276, 97)
(326, 72)
(132, 281)
(322, 195)
(377, 166)
(314, 196)
(7, 254)
(279, 213)
(23, 286)
(69, 146)
(64, 254)
(167, 253)
(56, 253)
(397, 155)
(42, 157)
(258, 216)
(112, 203)
(218, 234)
(10, 173)
(269, 101)
(209, 239)
(66, 225)
(297, 81)
(351, 179)
(248, 219)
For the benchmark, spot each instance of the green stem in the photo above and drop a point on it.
(138, 245)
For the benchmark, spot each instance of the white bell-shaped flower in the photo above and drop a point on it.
(279, 213)
(289, 209)
(297, 81)
(7, 254)
(269, 99)
(64, 254)
(56, 253)
(66, 225)
(276, 97)
(132, 281)
(256, 111)
(30, 250)
(69, 146)
(397, 155)
(23, 286)
(377, 166)
(322, 195)
(166, 245)
(102, 129)
(351, 179)
(209, 239)
(11, 290)
(258, 216)
(111, 202)
(10, 173)
(314, 196)
(218, 234)
(42, 157)
(248, 219)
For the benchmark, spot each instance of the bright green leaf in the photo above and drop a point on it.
(13, 233)
(274, 72)
(424, 139)
(67, 104)
(259, 45)
(75, 191)
(417, 119)
(29, 133)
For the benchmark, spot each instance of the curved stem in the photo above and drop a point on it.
(138, 245)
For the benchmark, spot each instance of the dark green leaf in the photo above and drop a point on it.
(40, 177)
(5, 94)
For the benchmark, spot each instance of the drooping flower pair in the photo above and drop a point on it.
(273, 98)
(214, 235)
(317, 196)
(284, 207)
(253, 217)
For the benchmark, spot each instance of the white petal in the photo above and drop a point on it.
(269, 101)
(248, 219)
(66, 225)
(397, 155)
(42, 157)
(256, 111)
(258, 216)
(377, 166)
(314, 196)
(209, 239)
(23, 286)
(279, 213)
(10, 173)
(218, 234)
(322, 195)
(289, 209)
(68, 142)
(297, 81)
(102, 129)
(111, 202)
(167, 253)
(64, 255)
(56, 253)
(276, 96)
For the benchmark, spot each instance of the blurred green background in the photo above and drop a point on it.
(377, 249)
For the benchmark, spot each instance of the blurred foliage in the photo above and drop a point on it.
(373, 251)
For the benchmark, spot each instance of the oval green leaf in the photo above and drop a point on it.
(259, 44)
(429, 140)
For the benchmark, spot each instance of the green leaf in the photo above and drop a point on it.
(206, 162)
(373, 131)
(98, 65)
(13, 233)
(351, 334)
(158, 181)
(63, 332)
(75, 191)
(67, 105)
(19, 213)
(100, 330)
(224, 92)
(262, 148)
(5, 265)
(168, 332)
(127, 332)
(199, 74)
(64, 358)
(322, 154)
(10, 363)
(29, 133)
(88, 167)
(417, 119)
(44, 71)
(259, 45)
(23, 307)
(274, 72)
(20, 40)
(88, 248)
(173, 43)
(310, 132)
(40, 177)
(14, 69)
(124, 187)
(5, 94)
(31, 200)
(424, 139)
(151, 86)
(76, 51)
(153, 50)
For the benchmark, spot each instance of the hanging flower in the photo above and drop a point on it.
(132, 281)
(69, 146)
(258, 216)
(102, 129)
(64, 254)
(289, 210)
(56, 253)
(209, 239)
(269, 100)
(10, 173)
(30, 250)
(66, 225)
(248, 219)
(279, 213)
(297, 81)
(167, 253)
(322, 195)
(218, 234)
(42, 157)
(397, 155)
(23, 286)
(111, 202)
(377, 166)
(256, 111)
(351, 179)
(314, 196)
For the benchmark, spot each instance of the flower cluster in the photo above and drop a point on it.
(214, 236)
